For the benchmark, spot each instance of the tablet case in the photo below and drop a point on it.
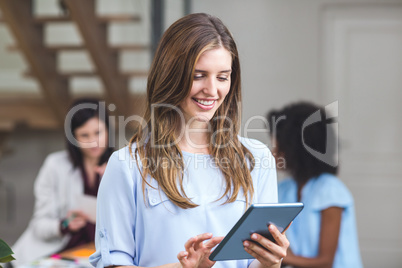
(255, 220)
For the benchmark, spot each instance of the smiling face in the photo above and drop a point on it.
(210, 86)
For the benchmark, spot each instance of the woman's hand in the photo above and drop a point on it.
(76, 220)
(197, 252)
(269, 254)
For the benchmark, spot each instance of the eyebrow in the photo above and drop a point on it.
(202, 71)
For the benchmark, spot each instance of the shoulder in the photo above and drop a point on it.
(59, 159)
(327, 182)
(56, 167)
(331, 191)
(124, 158)
(121, 172)
(256, 147)
(263, 157)
(58, 156)
(123, 153)
(287, 191)
(286, 183)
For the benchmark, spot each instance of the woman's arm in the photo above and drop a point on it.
(45, 220)
(329, 234)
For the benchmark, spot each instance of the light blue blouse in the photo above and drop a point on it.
(133, 229)
(304, 234)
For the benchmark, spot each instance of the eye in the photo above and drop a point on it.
(198, 76)
(222, 79)
(82, 136)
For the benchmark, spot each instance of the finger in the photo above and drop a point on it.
(203, 237)
(264, 244)
(213, 242)
(75, 226)
(189, 244)
(182, 255)
(79, 220)
(267, 246)
(252, 253)
(262, 255)
(199, 241)
(279, 238)
(247, 247)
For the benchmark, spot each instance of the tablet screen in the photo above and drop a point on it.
(255, 220)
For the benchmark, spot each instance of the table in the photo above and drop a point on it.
(73, 258)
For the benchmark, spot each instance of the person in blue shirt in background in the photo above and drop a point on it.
(324, 234)
(186, 177)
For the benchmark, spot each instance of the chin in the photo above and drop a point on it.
(95, 153)
(203, 118)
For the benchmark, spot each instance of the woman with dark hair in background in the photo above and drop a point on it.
(324, 234)
(58, 223)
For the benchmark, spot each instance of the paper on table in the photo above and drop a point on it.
(87, 204)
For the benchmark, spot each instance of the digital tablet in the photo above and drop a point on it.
(255, 220)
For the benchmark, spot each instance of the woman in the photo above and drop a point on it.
(324, 234)
(186, 177)
(58, 222)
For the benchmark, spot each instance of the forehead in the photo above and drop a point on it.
(93, 124)
(218, 57)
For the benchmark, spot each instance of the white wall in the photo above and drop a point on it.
(26, 150)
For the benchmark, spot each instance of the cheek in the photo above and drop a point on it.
(225, 92)
(103, 139)
(195, 87)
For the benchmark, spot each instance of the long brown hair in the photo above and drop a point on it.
(169, 82)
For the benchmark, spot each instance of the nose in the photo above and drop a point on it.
(93, 139)
(210, 86)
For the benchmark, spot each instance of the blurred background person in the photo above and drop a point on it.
(58, 223)
(324, 234)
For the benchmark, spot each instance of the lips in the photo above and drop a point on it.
(205, 104)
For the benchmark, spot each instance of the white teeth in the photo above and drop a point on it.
(203, 102)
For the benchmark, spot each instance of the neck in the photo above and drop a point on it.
(195, 138)
(90, 165)
(90, 162)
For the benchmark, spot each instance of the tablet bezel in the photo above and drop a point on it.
(255, 220)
